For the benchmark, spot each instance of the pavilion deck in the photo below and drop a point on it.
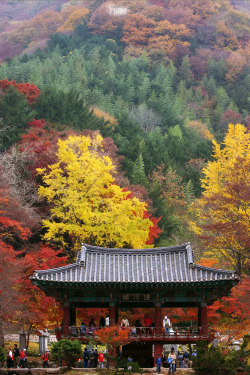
(181, 335)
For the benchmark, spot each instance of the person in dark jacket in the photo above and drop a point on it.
(186, 358)
(102, 322)
(16, 356)
(86, 357)
(96, 357)
(181, 361)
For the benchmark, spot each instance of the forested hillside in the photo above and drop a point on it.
(142, 93)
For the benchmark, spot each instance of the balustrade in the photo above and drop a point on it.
(138, 333)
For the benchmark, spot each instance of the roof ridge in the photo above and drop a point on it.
(199, 266)
(182, 247)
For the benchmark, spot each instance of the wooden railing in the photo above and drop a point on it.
(172, 334)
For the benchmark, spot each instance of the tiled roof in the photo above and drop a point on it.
(173, 264)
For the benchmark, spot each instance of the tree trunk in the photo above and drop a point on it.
(239, 264)
(28, 336)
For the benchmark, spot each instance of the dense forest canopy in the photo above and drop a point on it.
(163, 85)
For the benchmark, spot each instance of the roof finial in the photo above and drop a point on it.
(190, 255)
(81, 256)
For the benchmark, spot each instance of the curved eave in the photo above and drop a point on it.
(96, 285)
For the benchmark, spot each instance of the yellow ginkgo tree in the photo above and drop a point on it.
(85, 203)
(222, 214)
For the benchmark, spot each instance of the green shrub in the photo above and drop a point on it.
(218, 361)
(2, 356)
(66, 350)
(123, 363)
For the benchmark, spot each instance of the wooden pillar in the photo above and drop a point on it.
(72, 314)
(202, 315)
(66, 318)
(158, 322)
(112, 314)
(199, 316)
(158, 331)
(158, 350)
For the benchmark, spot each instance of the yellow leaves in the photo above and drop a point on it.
(75, 18)
(87, 205)
(222, 213)
(201, 129)
(106, 116)
(172, 30)
(235, 145)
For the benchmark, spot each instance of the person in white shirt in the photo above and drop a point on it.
(166, 324)
(125, 322)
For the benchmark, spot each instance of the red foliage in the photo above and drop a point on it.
(40, 145)
(154, 230)
(37, 123)
(198, 66)
(29, 90)
(113, 337)
(40, 309)
(10, 228)
(231, 314)
(229, 117)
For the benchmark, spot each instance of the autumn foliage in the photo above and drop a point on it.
(223, 212)
(112, 337)
(87, 204)
(29, 90)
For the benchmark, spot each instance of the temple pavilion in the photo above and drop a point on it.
(156, 278)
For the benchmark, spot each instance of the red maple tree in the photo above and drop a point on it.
(29, 90)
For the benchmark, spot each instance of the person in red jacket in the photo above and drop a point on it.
(23, 358)
(148, 324)
(100, 359)
(45, 359)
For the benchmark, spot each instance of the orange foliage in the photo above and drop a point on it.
(182, 15)
(201, 129)
(209, 262)
(225, 37)
(172, 30)
(47, 22)
(112, 337)
(201, 8)
(75, 18)
(167, 37)
(235, 64)
(106, 116)
(137, 30)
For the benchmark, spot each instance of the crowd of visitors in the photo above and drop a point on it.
(16, 358)
(147, 327)
(91, 358)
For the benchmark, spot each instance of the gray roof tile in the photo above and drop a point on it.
(157, 265)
